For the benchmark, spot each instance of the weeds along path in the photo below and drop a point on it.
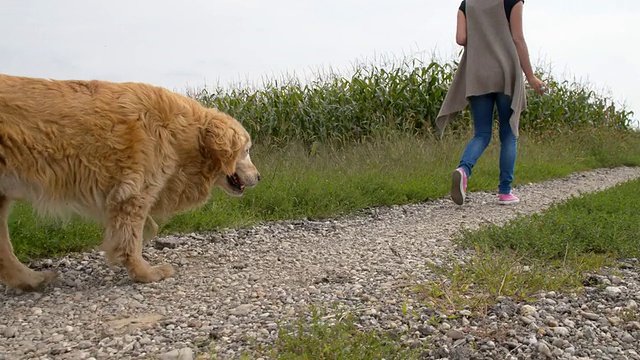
(232, 288)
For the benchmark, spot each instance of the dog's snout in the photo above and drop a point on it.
(259, 177)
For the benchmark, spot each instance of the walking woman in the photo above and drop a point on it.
(490, 74)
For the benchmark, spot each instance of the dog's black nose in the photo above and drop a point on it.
(259, 177)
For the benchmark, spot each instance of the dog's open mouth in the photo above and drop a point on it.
(236, 184)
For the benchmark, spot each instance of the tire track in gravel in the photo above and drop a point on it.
(232, 287)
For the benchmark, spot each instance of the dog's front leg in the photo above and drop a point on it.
(123, 239)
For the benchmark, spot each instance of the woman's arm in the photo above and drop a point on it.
(521, 46)
(461, 29)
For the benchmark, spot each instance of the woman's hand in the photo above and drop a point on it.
(538, 85)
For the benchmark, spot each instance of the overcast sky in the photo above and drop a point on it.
(189, 43)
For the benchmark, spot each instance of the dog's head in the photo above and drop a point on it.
(225, 142)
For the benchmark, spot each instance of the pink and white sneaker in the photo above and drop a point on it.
(458, 186)
(507, 199)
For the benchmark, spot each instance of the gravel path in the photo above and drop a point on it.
(232, 287)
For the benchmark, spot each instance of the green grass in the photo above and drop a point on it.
(476, 282)
(326, 181)
(604, 223)
(542, 252)
(340, 339)
(35, 237)
(320, 336)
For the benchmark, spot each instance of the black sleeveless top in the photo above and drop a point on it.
(508, 5)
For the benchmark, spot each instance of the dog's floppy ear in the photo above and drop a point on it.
(220, 143)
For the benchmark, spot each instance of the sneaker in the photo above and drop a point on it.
(506, 199)
(458, 186)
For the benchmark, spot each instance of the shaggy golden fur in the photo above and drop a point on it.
(119, 153)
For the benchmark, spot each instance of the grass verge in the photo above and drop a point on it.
(337, 338)
(542, 252)
(325, 181)
(318, 335)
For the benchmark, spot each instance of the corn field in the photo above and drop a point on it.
(403, 95)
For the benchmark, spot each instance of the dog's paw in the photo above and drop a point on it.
(152, 273)
(35, 280)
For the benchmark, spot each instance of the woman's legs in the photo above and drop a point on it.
(482, 112)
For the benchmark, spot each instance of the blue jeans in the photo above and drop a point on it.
(482, 113)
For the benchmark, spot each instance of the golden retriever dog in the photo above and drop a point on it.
(118, 153)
